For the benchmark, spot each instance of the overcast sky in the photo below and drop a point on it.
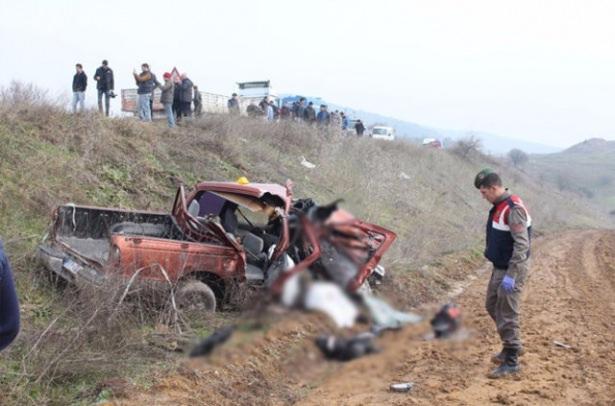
(534, 70)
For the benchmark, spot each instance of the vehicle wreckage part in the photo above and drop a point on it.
(330, 299)
(66, 267)
(379, 272)
(196, 295)
(346, 349)
(254, 274)
(278, 283)
(366, 270)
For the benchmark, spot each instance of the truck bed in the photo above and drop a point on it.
(86, 230)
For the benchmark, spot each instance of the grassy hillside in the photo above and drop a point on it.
(74, 345)
(587, 169)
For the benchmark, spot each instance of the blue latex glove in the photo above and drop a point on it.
(508, 284)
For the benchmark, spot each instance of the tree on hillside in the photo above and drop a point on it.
(517, 157)
(467, 147)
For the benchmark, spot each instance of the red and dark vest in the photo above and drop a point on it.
(500, 242)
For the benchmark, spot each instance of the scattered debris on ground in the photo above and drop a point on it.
(401, 387)
(447, 321)
(216, 339)
(346, 349)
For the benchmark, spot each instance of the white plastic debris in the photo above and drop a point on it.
(401, 387)
(404, 176)
(330, 299)
(307, 163)
(562, 345)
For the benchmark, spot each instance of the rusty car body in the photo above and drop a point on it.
(217, 234)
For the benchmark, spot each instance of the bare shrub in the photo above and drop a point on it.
(467, 147)
(518, 157)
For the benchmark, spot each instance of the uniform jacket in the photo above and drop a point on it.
(509, 228)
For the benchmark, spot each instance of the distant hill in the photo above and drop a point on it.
(492, 144)
(587, 168)
(592, 145)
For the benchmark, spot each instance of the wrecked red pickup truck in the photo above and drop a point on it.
(217, 233)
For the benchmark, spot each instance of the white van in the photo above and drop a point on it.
(383, 133)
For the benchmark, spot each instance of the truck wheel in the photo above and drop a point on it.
(196, 296)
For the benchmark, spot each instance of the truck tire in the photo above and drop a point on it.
(196, 296)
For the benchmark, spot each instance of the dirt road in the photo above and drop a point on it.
(569, 298)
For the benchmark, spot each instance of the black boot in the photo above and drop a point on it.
(499, 358)
(509, 366)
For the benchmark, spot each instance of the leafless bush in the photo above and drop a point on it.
(517, 157)
(467, 147)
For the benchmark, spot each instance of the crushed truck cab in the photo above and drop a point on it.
(217, 233)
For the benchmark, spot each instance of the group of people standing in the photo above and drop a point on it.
(178, 92)
(299, 111)
(177, 95)
(104, 86)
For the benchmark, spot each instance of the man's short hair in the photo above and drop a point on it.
(144, 65)
(488, 180)
(80, 66)
(234, 94)
(105, 62)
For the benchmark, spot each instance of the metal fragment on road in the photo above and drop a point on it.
(401, 387)
(562, 345)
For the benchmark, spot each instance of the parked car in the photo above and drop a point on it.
(432, 143)
(383, 133)
(217, 234)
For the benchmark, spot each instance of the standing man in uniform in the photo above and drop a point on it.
(509, 228)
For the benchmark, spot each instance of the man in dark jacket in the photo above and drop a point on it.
(9, 305)
(310, 113)
(80, 82)
(185, 95)
(146, 83)
(177, 98)
(233, 105)
(104, 85)
(299, 110)
(359, 128)
(323, 116)
(198, 102)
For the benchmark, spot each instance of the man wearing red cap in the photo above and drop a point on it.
(166, 98)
